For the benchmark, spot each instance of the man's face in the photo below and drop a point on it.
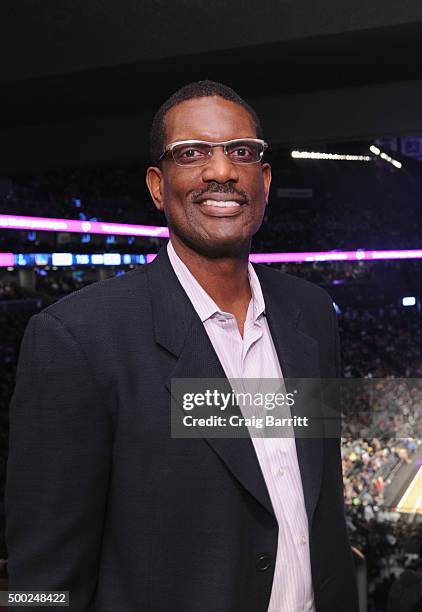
(181, 191)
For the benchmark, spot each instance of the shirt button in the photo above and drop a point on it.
(281, 471)
(263, 562)
(309, 605)
(303, 539)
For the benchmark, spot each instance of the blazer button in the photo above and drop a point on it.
(263, 562)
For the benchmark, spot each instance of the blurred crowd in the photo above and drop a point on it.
(391, 544)
(59, 285)
(346, 203)
(381, 341)
(10, 290)
(12, 326)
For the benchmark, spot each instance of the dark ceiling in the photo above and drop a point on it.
(79, 81)
(320, 63)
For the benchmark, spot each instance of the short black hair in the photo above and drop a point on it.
(198, 89)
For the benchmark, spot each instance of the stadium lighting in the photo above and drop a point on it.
(333, 156)
(61, 259)
(47, 224)
(322, 256)
(112, 259)
(409, 300)
(28, 260)
(394, 162)
(7, 259)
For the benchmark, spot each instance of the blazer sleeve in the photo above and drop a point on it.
(58, 467)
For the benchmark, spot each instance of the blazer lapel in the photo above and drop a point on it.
(298, 356)
(180, 331)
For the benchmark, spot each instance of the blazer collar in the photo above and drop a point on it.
(179, 330)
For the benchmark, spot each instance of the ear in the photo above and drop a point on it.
(154, 180)
(266, 175)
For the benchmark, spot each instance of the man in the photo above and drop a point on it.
(101, 500)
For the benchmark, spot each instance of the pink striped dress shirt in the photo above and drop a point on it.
(254, 357)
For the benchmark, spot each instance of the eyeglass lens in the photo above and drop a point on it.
(196, 154)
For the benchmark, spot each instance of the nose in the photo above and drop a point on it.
(220, 168)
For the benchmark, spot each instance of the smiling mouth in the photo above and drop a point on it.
(220, 203)
(220, 208)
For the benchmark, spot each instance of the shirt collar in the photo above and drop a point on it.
(201, 301)
(257, 295)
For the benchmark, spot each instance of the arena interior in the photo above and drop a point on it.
(345, 213)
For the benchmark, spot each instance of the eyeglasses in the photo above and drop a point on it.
(198, 152)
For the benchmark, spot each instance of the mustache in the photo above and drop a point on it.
(219, 188)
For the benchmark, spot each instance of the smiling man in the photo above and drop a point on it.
(101, 500)
(214, 197)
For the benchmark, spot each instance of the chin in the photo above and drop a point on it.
(219, 250)
(215, 247)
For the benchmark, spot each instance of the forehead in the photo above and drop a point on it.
(211, 118)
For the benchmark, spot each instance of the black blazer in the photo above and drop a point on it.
(102, 502)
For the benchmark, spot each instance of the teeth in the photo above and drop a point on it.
(220, 204)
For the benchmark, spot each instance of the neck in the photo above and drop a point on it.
(225, 279)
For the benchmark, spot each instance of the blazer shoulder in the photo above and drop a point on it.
(106, 298)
